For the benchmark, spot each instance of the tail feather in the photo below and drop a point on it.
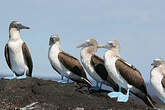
(83, 81)
(146, 99)
(152, 100)
(149, 101)
(86, 81)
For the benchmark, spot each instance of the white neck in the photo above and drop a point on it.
(156, 72)
(56, 45)
(84, 53)
(113, 52)
(14, 34)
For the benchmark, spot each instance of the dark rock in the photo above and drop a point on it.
(51, 95)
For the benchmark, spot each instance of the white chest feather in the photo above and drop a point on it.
(155, 80)
(53, 58)
(86, 59)
(16, 57)
(112, 71)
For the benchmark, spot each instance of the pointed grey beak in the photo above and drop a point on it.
(24, 27)
(152, 64)
(50, 42)
(20, 26)
(83, 45)
(103, 46)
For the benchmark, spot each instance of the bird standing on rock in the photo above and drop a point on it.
(157, 78)
(124, 74)
(94, 65)
(17, 53)
(65, 64)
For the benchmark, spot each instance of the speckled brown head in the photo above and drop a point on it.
(88, 43)
(113, 46)
(91, 45)
(53, 39)
(157, 62)
(17, 25)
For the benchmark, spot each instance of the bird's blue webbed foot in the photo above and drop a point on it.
(63, 81)
(97, 87)
(114, 94)
(10, 77)
(123, 98)
(22, 77)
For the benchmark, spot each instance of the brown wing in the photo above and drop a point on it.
(99, 67)
(131, 75)
(163, 82)
(98, 64)
(7, 55)
(71, 64)
(28, 58)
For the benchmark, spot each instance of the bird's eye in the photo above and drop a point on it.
(54, 39)
(17, 25)
(88, 43)
(110, 44)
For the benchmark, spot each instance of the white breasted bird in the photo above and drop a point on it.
(17, 53)
(157, 78)
(94, 65)
(124, 74)
(65, 64)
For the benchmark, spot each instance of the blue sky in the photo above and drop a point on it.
(137, 24)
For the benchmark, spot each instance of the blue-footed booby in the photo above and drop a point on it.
(124, 74)
(94, 65)
(65, 64)
(157, 78)
(17, 53)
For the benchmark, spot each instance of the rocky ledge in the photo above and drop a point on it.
(41, 94)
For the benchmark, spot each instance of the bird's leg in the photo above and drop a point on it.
(100, 86)
(123, 97)
(23, 76)
(67, 80)
(96, 88)
(119, 89)
(10, 77)
(97, 84)
(62, 80)
(115, 94)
